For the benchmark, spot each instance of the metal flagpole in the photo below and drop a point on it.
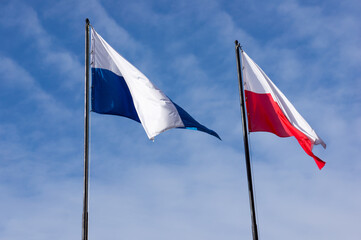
(86, 135)
(246, 146)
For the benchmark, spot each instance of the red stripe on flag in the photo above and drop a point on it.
(264, 115)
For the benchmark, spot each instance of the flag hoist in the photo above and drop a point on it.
(268, 110)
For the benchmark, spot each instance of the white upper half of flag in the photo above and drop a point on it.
(155, 110)
(255, 80)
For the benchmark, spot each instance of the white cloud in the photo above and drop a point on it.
(18, 81)
(48, 50)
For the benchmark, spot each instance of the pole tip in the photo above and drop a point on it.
(236, 42)
(87, 20)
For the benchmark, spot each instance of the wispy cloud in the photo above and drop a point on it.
(47, 46)
(18, 84)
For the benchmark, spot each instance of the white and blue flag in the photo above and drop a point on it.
(119, 88)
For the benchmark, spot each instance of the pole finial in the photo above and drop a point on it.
(87, 20)
(238, 45)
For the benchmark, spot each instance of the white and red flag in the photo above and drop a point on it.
(268, 110)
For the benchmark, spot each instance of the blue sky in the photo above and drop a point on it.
(186, 184)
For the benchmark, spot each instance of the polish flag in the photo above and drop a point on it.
(269, 110)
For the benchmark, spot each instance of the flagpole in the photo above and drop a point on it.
(86, 135)
(246, 146)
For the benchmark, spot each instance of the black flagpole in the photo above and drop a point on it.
(86, 135)
(246, 146)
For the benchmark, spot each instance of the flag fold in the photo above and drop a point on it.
(268, 110)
